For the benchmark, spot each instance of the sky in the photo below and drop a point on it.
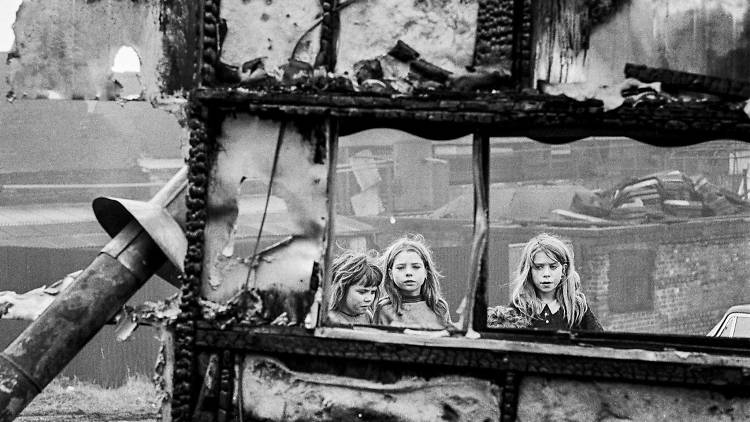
(8, 10)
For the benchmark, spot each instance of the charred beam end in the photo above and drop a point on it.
(46, 346)
(403, 52)
(429, 71)
(329, 33)
(675, 81)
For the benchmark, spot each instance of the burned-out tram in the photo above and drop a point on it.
(252, 340)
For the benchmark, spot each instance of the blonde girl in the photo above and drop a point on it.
(355, 283)
(547, 287)
(412, 287)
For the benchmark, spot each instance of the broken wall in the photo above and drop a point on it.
(65, 49)
(699, 36)
(288, 160)
(556, 399)
(443, 32)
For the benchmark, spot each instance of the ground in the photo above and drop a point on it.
(66, 400)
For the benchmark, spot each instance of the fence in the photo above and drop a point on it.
(103, 361)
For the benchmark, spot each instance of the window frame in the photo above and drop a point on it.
(502, 354)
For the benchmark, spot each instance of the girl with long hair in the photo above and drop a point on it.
(547, 287)
(412, 286)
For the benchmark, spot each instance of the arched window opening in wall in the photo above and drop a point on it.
(125, 82)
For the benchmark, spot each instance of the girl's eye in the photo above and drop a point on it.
(553, 266)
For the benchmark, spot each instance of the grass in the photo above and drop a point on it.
(138, 397)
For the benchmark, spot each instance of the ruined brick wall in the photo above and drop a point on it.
(676, 278)
(696, 274)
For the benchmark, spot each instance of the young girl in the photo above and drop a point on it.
(548, 288)
(355, 283)
(412, 287)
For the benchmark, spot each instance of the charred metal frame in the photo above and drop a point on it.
(502, 355)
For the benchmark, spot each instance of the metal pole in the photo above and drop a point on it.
(46, 346)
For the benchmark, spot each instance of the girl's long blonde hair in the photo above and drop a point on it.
(568, 292)
(431, 291)
(351, 268)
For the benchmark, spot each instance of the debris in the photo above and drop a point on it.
(28, 306)
(582, 217)
(402, 51)
(611, 96)
(506, 317)
(675, 82)
(654, 197)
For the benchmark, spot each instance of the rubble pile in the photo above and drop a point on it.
(402, 71)
(660, 196)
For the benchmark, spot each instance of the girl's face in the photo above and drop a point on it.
(359, 299)
(546, 273)
(409, 273)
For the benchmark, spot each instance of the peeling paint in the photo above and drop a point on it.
(544, 399)
(281, 272)
(706, 37)
(272, 392)
(270, 30)
(289, 29)
(442, 32)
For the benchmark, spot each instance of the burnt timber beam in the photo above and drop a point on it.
(553, 119)
(676, 81)
(299, 345)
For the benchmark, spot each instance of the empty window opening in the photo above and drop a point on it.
(126, 80)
